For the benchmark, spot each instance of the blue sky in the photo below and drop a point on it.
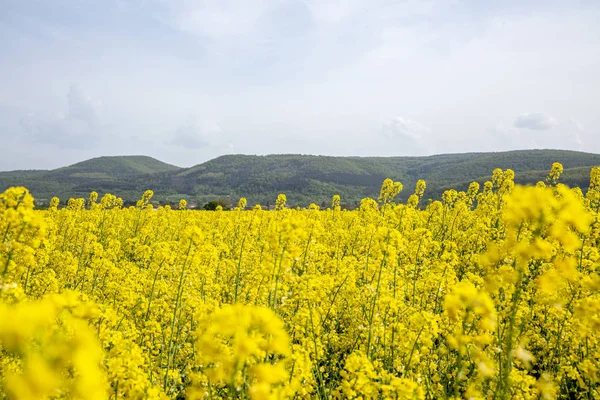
(186, 81)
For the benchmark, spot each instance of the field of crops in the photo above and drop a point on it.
(491, 293)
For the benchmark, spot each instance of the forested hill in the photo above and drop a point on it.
(304, 179)
(120, 175)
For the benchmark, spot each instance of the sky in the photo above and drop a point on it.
(186, 81)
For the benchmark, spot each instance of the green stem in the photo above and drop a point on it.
(177, 304)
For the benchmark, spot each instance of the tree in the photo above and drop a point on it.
(213, 204)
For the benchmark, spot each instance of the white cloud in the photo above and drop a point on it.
(574, 130)
(408, 134)
(539, 131)
(197, 134)
(334, 11)
(79, 127)
(535, 121)
(404, 127)
(81, 106)
(216, 19)
(578, 126)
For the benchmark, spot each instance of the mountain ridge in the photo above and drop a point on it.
(303, 178)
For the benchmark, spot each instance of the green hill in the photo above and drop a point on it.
(112, 168)
(307, 179)
(304, 179)
(117, 174)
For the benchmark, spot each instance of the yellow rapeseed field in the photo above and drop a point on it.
(491, 293)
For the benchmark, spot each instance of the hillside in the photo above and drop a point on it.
(307, 179)
(118, 174)
(304, 179)
(112, 168)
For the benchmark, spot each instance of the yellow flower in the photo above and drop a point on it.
(478, 294)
